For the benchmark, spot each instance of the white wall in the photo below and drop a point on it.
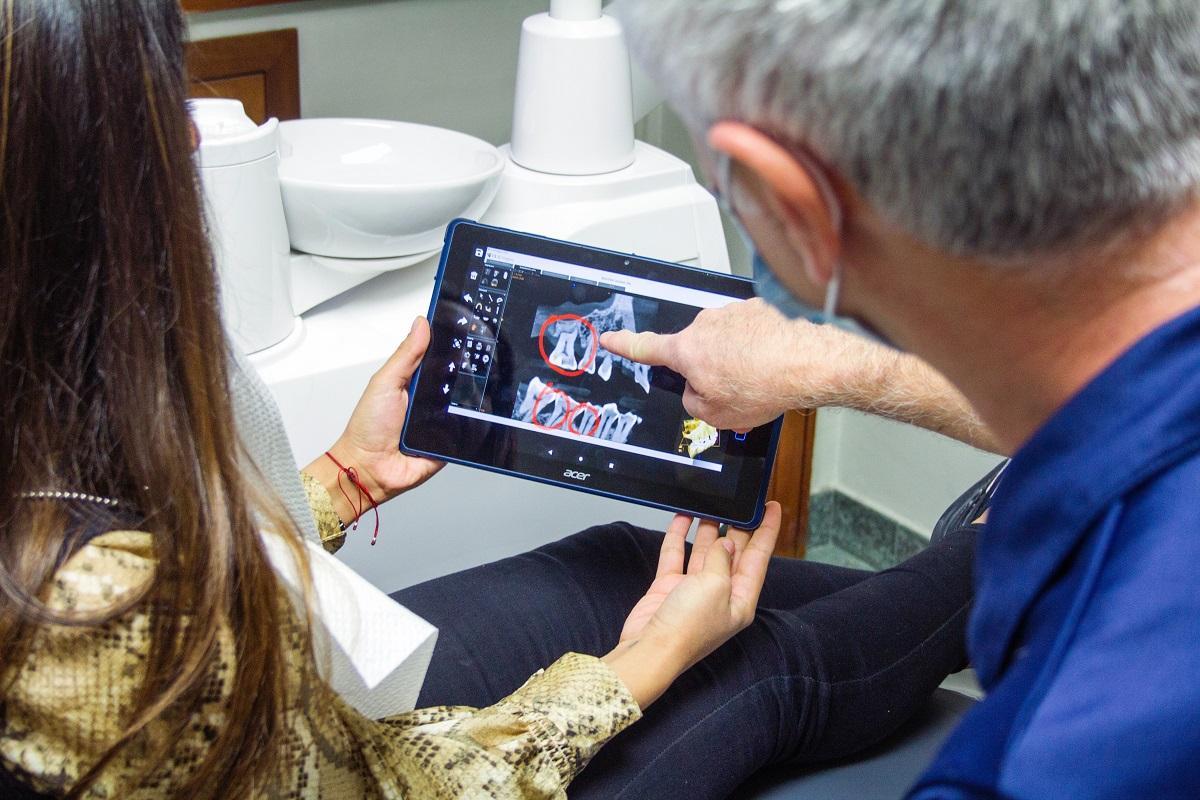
(826, 448)
(441, 62)
(906, 473)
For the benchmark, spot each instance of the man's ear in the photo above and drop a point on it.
(792, 190)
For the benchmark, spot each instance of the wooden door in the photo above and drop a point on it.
(260, 69)
(222, 5)
(791, 479)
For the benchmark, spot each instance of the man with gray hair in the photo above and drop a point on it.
(1008, 190)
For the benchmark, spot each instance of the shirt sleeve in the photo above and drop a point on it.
(529, 745)
(329, 526)
(70, 697)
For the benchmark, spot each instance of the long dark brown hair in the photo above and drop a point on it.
(113, 366)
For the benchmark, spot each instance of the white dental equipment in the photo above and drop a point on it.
(355, 188)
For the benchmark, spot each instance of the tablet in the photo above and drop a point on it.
(515, 380)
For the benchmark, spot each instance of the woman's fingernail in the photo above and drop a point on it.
(416, 322)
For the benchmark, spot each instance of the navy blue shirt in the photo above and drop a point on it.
(1086, 626)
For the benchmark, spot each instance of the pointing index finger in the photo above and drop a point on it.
(644, 348)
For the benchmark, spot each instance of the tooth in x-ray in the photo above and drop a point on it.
(574, 341)
(641, 375)
(585, 337)
(583, 418)
(614, 425)
(624, 426)
(564, 349)
(550, 404)
(640, 372)
(524, 410)
(605, 368)
(552, 409)
(608, 419)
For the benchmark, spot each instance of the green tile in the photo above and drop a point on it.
(908, 543)
(862, 533)
(820, 517)
(832, 554)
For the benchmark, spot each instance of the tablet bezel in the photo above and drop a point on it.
(429, 431)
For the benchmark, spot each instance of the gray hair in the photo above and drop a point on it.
(990, 128)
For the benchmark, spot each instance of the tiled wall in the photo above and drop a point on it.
(840, 526)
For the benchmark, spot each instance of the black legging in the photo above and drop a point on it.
(835, 660)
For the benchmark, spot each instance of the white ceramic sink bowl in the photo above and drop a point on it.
(360, 188)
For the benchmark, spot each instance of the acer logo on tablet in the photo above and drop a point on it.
(579, 476)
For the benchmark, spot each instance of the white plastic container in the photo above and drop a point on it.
(239, 169)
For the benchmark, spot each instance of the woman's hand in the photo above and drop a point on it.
(692, 609)
(370, 443)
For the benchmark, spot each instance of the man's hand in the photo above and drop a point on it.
(370, 443)
(745, 364)
(694, 605)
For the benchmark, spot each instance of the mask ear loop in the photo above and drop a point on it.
(832, 290)
(721, 192)
(829, 198)
(724, 196)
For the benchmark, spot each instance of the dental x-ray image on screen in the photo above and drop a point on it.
(587, 399)
(516, 379)
(568, 382)
(575, 331)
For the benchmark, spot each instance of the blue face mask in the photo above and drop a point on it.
(768, 287)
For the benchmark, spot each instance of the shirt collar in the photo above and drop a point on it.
(1140, 414)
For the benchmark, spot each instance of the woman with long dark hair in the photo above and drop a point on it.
(149, 647)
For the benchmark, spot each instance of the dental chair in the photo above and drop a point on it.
(883, 772)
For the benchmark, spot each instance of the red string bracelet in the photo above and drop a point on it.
(352, 475)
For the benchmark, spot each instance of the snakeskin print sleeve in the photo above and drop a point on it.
(328, 525)
(529, 745)
(71, 697)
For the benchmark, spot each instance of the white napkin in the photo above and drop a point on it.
(373, 651)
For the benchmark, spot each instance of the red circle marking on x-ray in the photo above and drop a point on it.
(542, 344)
(538, 402)
(576, 409)
(570, 409)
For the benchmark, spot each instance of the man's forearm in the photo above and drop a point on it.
(898, 386)
(919, 395)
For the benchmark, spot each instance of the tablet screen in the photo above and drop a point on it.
(516, 380)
